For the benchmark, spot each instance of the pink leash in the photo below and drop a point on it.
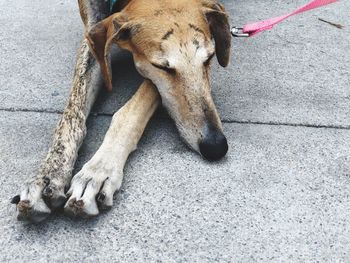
(255, 28)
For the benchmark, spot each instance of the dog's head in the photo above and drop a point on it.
(172, 43)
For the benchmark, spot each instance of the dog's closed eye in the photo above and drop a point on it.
(171, 71)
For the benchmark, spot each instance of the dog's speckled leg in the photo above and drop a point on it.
(46, 190)
(100, 177)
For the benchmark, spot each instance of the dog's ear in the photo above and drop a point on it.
(220, 30)
(100, 39)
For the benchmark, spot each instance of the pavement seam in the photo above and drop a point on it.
(306, 125)
(272, 123)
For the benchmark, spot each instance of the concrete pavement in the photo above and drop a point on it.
(281, 194)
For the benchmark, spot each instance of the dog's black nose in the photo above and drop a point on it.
(214, 145)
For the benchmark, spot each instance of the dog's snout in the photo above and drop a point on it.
(213, 146)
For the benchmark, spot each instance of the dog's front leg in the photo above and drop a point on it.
(46, 190)
(93, 187)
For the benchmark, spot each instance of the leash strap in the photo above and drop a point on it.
(255, 28)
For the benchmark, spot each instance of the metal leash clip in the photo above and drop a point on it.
(238, 32)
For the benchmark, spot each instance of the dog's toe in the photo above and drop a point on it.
(32, 212)
(82, 193)
(105, 196)
(53, 195)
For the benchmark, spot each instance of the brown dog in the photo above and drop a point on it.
(172, 43)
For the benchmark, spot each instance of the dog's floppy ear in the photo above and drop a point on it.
(220, 30)
(100, 39)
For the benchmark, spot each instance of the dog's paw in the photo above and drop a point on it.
(38, 198)
(92, 189)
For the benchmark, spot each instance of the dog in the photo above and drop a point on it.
(172, 44)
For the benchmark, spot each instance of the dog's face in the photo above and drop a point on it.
(172, 43)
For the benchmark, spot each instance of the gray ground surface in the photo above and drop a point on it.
(281, 194)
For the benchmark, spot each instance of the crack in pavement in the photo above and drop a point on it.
(271, 123)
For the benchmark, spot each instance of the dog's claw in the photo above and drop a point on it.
(32, 213)
(53, 198)
(15, 199)
(100, 197)
(77, 208)
(74, 207)
(102, 201)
